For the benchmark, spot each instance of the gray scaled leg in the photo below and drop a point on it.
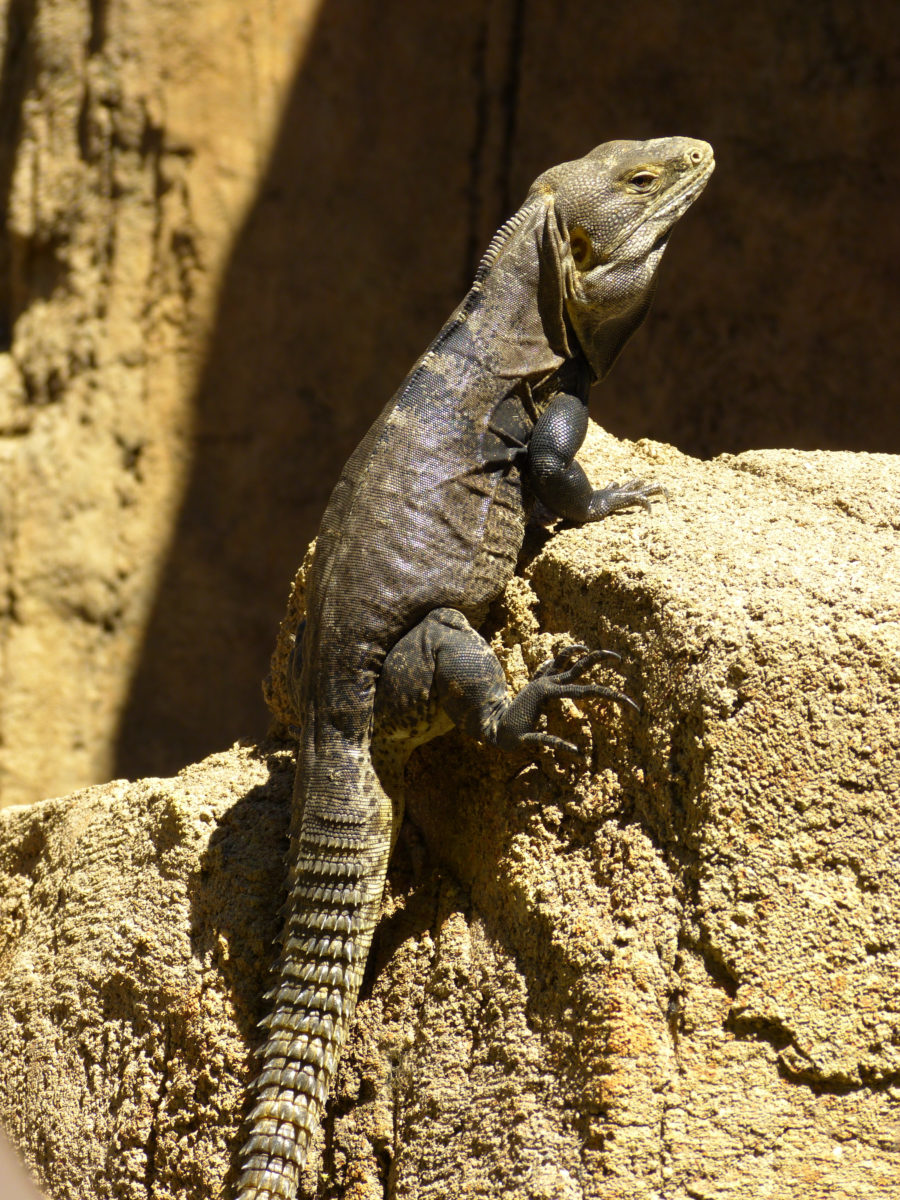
(443, 671)
(559, 481)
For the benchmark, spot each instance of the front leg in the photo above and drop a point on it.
(559, 481)
(443, 672)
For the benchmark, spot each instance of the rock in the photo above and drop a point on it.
(668, 971)
(137, 928)
(701, 934)
(133, 138)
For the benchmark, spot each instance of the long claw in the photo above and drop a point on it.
(579, 668)
(576, 690)
(621, 698)
(557, 666)
(551, 742)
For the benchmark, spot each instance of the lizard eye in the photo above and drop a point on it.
(580, 245)
(643, 181)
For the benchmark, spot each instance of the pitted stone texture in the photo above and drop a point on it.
(711, 919)
(671, 972)
(137, 929)
(723, 892)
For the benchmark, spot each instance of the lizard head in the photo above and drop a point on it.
(609, 216)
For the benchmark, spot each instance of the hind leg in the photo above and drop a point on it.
(443, 672)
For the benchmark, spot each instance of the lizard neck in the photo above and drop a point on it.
(501, 310)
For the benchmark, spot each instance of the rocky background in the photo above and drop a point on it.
(230, 228)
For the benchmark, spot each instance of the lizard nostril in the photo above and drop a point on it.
(695, 156)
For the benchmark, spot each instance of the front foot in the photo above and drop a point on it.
(619, 496)
(557, 679)
(559, 481)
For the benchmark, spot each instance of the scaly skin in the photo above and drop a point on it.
(335, 886)
(421, 533)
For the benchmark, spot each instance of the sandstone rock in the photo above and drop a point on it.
(133, 139)
(671, 971)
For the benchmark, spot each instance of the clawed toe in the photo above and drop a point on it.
(550, 742)
(562, 669)
(576, 691)
(625, 495)
(562, 677)
(581, 666)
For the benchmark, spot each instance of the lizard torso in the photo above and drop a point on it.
(421, 518)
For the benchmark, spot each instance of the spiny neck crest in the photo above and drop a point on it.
(497, 243)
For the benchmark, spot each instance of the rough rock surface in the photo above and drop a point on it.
(230, 227)
(132, 137)
(670, 972)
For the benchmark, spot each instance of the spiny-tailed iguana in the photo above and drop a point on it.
(420, 535)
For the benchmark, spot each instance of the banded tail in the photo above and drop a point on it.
(338, 867)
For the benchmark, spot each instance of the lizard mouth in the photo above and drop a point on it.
(685, 196)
